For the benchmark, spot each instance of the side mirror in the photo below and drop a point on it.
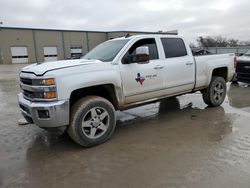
(141, 56)
(143, 50)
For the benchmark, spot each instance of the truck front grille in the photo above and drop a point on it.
(243, 67)
(34, 91)
(28, 94)
(26, 81)
(243, 71)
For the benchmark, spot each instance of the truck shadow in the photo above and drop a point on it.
(170, 112)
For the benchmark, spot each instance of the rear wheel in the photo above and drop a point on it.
(92, 121)
(215, 94)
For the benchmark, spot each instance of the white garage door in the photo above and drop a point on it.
(76, 49)
(76, 52)
(50, 53)
(19, 54)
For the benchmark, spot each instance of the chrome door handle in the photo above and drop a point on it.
(158, 67)
(189, 63)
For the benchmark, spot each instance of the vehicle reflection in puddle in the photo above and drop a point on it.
(181, 111)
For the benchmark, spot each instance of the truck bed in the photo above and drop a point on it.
(206, 62)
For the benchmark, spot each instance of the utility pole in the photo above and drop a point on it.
(1, 53)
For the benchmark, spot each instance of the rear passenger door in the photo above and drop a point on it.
(178, 65)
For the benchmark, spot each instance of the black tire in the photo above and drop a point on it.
(234, 80)
(81, 115)
(215, 94)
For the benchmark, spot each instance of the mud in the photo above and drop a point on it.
(178, 142)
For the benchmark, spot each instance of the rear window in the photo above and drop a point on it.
(173, 47)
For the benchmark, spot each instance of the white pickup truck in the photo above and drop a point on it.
(81, 96)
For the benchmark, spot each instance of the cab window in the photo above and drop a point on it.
(150, 43)
(174, 47)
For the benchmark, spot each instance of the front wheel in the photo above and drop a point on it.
(215, 94)
(92, 121)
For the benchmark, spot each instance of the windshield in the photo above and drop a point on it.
(247, 53)
(106, 51)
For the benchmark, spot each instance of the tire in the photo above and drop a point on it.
(92, 121)
(215, 94)
(234, 80)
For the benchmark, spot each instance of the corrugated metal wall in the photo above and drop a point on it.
(35, 40)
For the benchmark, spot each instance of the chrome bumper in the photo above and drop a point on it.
(57, 112)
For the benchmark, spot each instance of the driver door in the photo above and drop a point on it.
(141, 80)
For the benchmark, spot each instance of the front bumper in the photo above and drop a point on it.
(57, 111)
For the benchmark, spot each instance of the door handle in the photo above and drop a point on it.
(158, 67)
(189, 63)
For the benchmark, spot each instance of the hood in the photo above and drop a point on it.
(243, 58)
(42, 68)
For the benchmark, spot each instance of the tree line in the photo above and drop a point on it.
(219, 41)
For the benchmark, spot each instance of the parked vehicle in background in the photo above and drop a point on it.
(83, 95)
(243, 68)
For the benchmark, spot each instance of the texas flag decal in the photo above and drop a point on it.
(139, 78)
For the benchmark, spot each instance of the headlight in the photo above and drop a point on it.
(39, 89)
(44, 82)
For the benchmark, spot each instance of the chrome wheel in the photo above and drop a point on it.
(95, 122)
(215, 93)
(218, 92)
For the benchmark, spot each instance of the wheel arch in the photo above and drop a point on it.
(221, 72)
(107, 91)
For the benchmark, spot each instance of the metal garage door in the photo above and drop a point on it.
(50, 53)
(19, 54)
(76, 52)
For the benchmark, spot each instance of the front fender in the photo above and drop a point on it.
(73, 80)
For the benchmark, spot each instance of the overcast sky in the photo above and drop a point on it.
(192, 18)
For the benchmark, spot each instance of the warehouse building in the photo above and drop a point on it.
(29, 45)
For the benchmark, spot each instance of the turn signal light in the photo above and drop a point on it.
(50, 95)
(50, 81)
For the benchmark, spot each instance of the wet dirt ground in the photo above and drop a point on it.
(178, 142)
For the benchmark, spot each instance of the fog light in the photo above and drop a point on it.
(43, 114)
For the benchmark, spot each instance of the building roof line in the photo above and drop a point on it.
(90, 31)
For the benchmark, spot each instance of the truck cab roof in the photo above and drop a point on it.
(148, 36)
